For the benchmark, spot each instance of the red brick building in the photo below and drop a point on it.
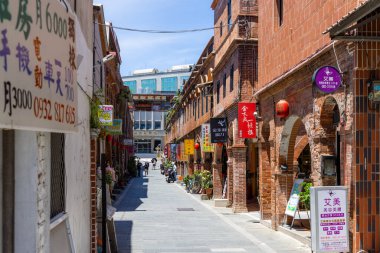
(296, 40)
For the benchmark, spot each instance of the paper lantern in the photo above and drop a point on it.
(197, 146)
(282, 108)
(220, 144)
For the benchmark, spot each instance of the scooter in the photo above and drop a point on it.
(171, 176)
(162, 168)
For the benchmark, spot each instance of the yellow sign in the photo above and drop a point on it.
(184, 157)
(189, 147)
(105, 115)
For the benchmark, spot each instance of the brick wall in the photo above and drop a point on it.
(303, 25)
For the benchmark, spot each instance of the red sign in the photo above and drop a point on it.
(247, 120)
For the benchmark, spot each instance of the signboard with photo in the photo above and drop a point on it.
(219, 130)
(38, 82)
(294, 198)
(206, 139)
(329, 220)
(116, 128)
(105, 115)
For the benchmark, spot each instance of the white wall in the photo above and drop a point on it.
(26, 154)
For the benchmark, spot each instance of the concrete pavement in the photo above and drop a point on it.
(156, 217)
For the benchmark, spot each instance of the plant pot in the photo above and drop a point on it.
(209, 192)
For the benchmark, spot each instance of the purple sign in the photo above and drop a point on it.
(327, 79)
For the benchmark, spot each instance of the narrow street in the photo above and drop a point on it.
(154, 216)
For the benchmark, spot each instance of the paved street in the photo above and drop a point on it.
(154, 216)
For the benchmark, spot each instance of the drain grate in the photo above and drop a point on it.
(185, 209)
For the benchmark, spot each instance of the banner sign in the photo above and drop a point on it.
(116, 128)
(184, 157)
(247, 120)
(173, 151)
(206, 139)
(38, 67)
(292, 205)
(128, 142)
(178, 152)
(218, 130)
(327, 79)
(105, 115)
(329, 220)
(189, 146)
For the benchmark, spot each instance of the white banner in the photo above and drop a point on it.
(38, 67)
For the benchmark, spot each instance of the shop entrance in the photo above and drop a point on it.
(252, 177)
(304, 163)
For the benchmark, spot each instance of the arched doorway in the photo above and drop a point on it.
(330, 143)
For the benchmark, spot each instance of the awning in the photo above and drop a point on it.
(344, 28)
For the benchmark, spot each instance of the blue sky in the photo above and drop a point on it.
(161, 51)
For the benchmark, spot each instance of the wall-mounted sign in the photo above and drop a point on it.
(173, 152)
(116, 128)
(207, 146)
(218, 130)
(189, 146)
(38, 82)
(294, 198)
(327, 79)
(374, 94)
(329, 220)
(247, 120)
(127, 142)
(105, 115)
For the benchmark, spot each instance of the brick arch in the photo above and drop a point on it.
(288, 138)
(299, 147)
(327, 111)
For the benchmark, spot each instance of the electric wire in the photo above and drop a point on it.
(161, 31)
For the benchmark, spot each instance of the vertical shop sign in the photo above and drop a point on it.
(105, 115)
(184, 156)
(247, 120)
(173, 152)
(38, 87)
(178, 152)
(189, 146)
(329, 221)
(206, 139)
(218, 130)
(294, 198)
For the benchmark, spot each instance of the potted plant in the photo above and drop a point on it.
(207, 182)
(94, 117)
(305, 195)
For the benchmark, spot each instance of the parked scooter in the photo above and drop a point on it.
(162, 168)
(171, 176)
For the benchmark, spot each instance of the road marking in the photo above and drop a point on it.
(229, 250)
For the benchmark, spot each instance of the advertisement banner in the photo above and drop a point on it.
(206, 139)
(116, 128)
(189, 146)
(173, 152)
(294, 198)
(329, 220)
(38, 82)
(178, 152)
(247, 120)
(105, 115)
(219, 130)
(184, 157)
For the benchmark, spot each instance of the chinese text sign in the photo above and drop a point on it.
(206, 139)
(247, 120)
(38, 87)
(218, 130)
(189, 146)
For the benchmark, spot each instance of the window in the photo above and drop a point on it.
(217, 92)
(149, 120)
(199, 100)
(57, 177)
(157, 117)
(183, 80)
(169, 84)
(206, 104)
(143, 146)
(280, 10)
(132, 85)
(232, 78)
(194, 104)
(148, 86)
(195, 108)
(221, 28)
(224, 85)
(136, 125)
(142, 120)
(202, 97)
(229, 15)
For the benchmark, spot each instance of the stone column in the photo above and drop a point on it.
(239, 204)
(230, 176)
(217, 180)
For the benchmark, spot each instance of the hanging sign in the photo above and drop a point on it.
(292, 205)
(206, 139)
(105, 115)
(247, 120)
(329, 220)
(327, 79)
(173, 151)
(116, 128)
(218, 130)
(184, 157)
(128, 142)
(178, 152)
(38, 82)
(189, 146)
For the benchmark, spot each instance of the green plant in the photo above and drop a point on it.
(206, 179)
(186, 180)
(132, 167)
(305, 194)
(94, 113)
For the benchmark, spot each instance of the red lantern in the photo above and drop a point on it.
(282, 108)
(220, 144)
(197, 146)
(109, 138)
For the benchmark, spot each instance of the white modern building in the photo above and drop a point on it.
(152, 92)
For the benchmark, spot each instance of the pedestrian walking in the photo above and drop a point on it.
(146, 169)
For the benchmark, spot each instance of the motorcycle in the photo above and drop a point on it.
(171, 176)
(162, 168)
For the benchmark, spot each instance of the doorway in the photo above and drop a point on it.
(252, 177)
